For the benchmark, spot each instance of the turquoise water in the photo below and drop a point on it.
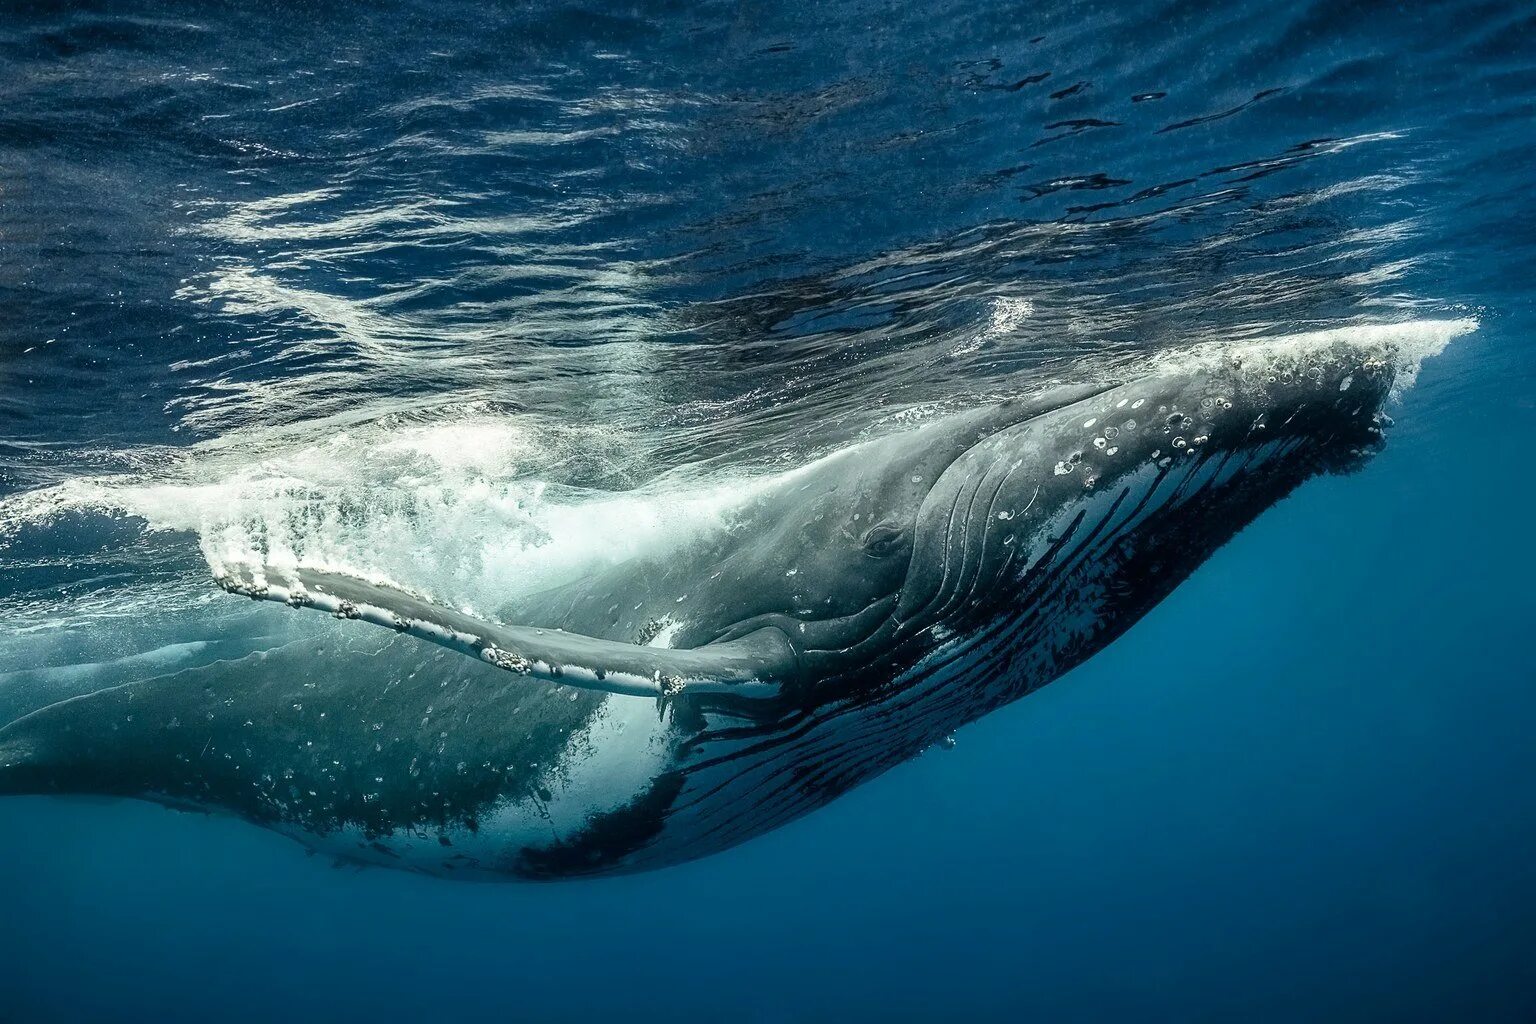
(559, 253)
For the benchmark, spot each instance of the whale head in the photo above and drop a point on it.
(1050, 523)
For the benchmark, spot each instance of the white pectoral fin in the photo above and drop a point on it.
(756, 665)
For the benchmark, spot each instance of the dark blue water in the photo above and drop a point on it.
(420, 286)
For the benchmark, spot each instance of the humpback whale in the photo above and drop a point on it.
(856, 612)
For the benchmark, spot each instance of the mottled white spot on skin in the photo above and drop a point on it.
(1346, 382)
(1005, 515)
(664, 635)
(1099, 442)
(1062, 469)
(1121, 404)
(1112, 450)
(1138, 403)
(1090, 423)
(917, 479)
(791, 572)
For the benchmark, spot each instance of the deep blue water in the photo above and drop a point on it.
(414, 285)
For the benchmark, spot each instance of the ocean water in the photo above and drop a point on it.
(480, 296)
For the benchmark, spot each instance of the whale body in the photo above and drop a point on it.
(856, 612)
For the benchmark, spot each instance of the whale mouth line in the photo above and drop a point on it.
(758, 665)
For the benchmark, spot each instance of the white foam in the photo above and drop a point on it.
(458, 510)
(1407, 345)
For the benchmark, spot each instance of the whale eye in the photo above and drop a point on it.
(883, 539)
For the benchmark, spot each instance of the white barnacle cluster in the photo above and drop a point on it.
(1068, 464)
(507, 660)
(245, 588)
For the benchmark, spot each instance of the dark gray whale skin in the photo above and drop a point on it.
(854, 613)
